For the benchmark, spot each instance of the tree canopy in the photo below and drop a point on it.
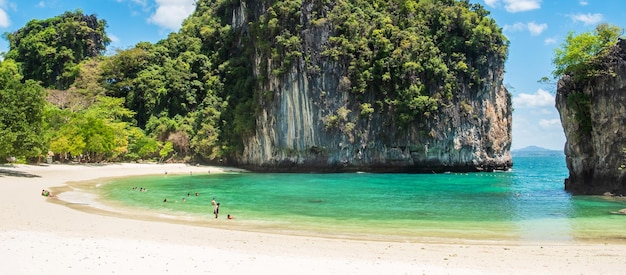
(21, 114)
(49, 50)
(581, 55)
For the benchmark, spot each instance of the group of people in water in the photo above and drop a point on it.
(184, 199)
(216, 205)
(216, 210)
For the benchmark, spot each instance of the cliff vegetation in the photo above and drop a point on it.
(390, 75)
(591, 68)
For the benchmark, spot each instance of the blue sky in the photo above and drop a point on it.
(534, 27)
(129, 21)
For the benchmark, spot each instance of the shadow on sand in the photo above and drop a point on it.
(12, 173)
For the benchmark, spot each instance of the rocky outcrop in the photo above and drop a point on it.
(472, 132)
(593, 115)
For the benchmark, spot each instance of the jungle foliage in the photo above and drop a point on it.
(194, 95)
(50, 50)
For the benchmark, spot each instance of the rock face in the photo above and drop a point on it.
(595, 130)
(470, 133)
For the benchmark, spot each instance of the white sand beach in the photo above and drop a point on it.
(39, 236)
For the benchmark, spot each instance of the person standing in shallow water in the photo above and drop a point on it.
(217, 210)
(214, 204)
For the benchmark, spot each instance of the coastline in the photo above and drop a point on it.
(37, 237)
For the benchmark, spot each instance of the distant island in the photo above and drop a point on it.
(534, 151)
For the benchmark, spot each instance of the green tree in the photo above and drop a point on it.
(581, 55)
(101, 132)
(21, 114)
(167, 149)
(50, 50)
(68, 141)
(144, 147)
(120, 75)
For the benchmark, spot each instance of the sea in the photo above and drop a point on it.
(527, 203)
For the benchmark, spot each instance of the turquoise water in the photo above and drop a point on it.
(527, 203)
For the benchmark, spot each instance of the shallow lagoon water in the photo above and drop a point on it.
(527, 203)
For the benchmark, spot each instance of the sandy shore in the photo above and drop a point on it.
(41, 237)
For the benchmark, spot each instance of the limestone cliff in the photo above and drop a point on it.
(310, 119)
(593, 115)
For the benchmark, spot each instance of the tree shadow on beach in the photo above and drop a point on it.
(12, 173)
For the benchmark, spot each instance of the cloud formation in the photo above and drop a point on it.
(491, 3)
(514, 6)
(550, 123)
(5, 22)
(521, 5)
(550, 41)
(170, 14)
(588, 18)
(4, 19)
(536, 29)
(114, 38)
(138, 2)
(541, 98)
(532, 27)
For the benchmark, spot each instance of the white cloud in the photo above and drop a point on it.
(583, 3)
(114, 39)
(491, 3)
(515, 27)
(514, 6)
(170, 14)
(587, 19)
(530, 128)
(550, 123)
(139, 2)
(532, 27)
(536, 29)
(550, 41)
(541, 98)
(4, 19)
(5, 5)
(537, 126)
(41, 4)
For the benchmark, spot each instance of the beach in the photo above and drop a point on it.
(50, 235)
